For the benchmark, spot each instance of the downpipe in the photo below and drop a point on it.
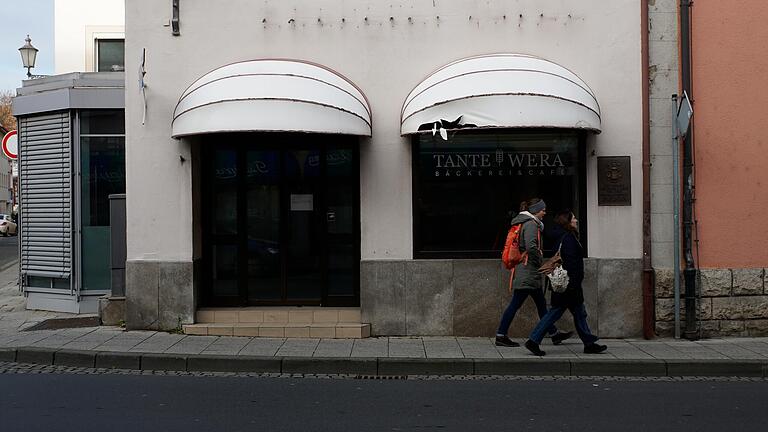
(648, 282)
(689, 274)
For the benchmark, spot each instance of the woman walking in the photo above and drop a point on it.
(572, 299)
(527, 281)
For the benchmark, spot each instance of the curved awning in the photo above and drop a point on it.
(272, 96)
(501, 91)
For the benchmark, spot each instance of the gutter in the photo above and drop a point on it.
(648, 274)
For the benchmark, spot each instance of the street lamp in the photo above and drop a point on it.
(28, 56)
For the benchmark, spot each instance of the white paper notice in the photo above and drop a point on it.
(301, 202)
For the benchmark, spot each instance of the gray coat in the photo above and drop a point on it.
(527, 276)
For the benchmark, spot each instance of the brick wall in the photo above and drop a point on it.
(731, 302)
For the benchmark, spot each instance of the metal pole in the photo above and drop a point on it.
(676, 212)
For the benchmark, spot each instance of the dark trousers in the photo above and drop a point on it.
(518, 298)
(579, 313)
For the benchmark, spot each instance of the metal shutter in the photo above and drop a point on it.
(45, 168)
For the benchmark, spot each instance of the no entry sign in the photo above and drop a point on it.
(11, 145)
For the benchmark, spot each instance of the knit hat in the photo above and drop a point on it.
(537, 207)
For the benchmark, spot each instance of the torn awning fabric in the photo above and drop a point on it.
(502, 91)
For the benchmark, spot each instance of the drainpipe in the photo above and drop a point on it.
(648, 275)
(689, 274)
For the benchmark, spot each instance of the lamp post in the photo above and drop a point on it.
(28, 56)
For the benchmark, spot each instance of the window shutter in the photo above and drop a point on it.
(45, 167)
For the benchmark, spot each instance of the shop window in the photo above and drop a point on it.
(110, 55)
(467, 188)
(102, 166)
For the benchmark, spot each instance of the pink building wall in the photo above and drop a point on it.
(730, 90)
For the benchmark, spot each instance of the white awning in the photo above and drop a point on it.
(274, 96)
(502, 91)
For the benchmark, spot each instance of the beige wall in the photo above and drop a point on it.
(730, 93)
(386, 58)
(78, 23)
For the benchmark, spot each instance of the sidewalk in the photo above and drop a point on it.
(113, 347)
(13, 315)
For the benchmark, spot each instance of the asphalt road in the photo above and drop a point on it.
(67, 402)
(9, 251)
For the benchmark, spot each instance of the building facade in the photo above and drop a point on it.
(369, 156)
(724, 82)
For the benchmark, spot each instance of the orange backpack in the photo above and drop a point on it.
(512, 255)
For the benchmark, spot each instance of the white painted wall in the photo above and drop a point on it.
(386, 55)
(77, 24)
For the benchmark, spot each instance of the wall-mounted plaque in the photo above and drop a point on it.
(614, 181)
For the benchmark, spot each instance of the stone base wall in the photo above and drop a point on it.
(731, 302)
(467, 298)
(159, 295)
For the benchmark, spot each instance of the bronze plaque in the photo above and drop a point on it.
(614, 181)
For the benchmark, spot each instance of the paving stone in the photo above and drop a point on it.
(660, 350)
(334, 348)
(262, 346)
(191, 345)
(298, 347)
(406, 347)
(371, 347)
(229, 346)
(478, 348)
(159, 342)
(442, 348)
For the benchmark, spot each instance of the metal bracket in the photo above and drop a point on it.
(175, 19)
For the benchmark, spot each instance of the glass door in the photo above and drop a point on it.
(281, 224)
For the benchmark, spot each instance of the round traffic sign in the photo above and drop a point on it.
(11, 145)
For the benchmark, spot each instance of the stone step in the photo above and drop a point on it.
(278, 315)
(288, 330)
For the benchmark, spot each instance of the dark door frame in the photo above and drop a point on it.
(282, 142)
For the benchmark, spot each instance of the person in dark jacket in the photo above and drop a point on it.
(527, 281)
(567, 237)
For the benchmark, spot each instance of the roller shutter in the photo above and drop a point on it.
(45, 167)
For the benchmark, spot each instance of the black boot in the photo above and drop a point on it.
(594, 348)
(505, 341)
(559, 337)
(534, 348)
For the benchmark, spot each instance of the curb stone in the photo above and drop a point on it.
(532, 367)
(41, 356)
(74, 358)
(222, 363)
(330, 365)
(410, 366)
(732, 368)
(118, 360)
(8, 354)
(164, 362)
(386, 366)
(618, 367)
